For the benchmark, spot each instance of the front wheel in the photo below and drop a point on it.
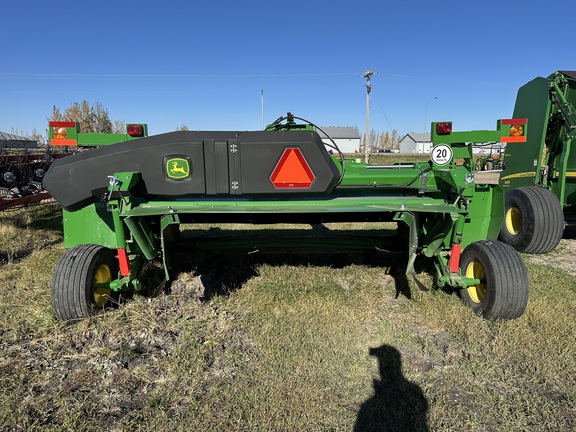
(502, 290)
(74, 292)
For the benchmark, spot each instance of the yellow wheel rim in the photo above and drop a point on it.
(475, 270)
(102, 295)
(513, 220)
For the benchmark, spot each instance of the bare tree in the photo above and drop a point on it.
(119, 126)
(385, 140)
(394, 139)
(39, 137)
(56, 114)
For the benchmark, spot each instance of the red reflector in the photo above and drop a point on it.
(63, 142)
(518, 121)
(513, 139)
(443, 128)
(135, 130)
(454, 261)
(292, 171)
(62, 124)
(124, 262)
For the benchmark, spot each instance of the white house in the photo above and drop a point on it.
(346, 138)
(415, 143)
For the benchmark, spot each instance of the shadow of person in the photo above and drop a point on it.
(397, 405)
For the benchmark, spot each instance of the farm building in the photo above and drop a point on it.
(415, 143)
(346, 138)
(8, 140)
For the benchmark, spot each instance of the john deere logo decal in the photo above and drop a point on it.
(177, 168)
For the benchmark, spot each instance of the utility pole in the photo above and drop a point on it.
(367, 75)
(262, 109)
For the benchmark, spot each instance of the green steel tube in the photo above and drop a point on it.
(458, 228)
(143, 237)
(118, 228)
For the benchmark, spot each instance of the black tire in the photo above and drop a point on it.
(73, 293)
(38, 171)
(503, 290)
(534, 220)
(9, 176)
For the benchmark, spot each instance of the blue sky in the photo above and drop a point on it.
(205, 63)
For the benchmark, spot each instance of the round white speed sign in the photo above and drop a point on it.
(441, 154)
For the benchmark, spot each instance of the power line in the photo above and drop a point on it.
(166, 76)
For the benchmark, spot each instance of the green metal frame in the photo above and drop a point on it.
(445, 208)
(546, 159)
(96, 139)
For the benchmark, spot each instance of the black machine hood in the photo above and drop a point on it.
(195, 164)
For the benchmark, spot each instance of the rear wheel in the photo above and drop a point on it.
(74, 292)
(502, 291)
(534, 220)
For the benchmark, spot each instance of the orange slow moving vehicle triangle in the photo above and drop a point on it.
(292, 171)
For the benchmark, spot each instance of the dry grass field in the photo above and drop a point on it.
(281, 343)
